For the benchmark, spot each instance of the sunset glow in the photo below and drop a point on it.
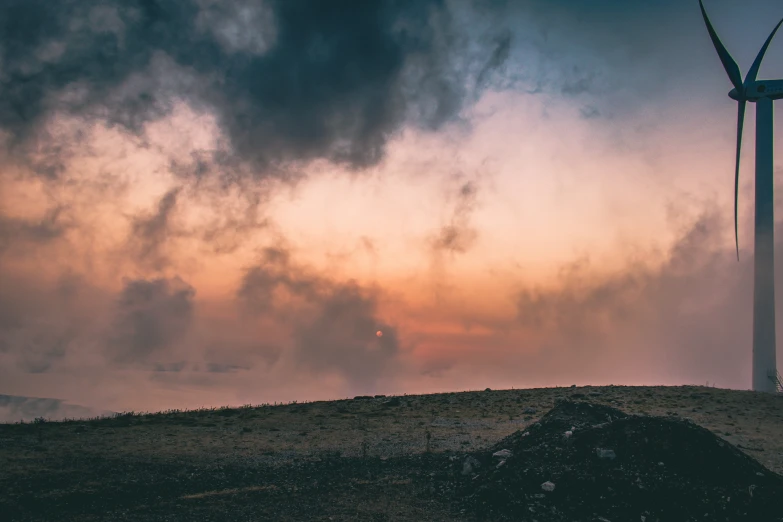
(531, 195)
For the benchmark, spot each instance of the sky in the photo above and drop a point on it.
(210, 203)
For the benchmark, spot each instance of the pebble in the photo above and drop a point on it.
(502, 454)
(470, 464)
(605, 453)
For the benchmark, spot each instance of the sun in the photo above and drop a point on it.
(379, 333)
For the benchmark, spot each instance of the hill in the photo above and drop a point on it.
(405, 457)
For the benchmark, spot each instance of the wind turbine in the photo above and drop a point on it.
(762, 93)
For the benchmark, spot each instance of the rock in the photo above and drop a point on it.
(568, 434)
(529, 410)
(605, 453)
(502, 454)
(548, 486)
(705, 469)
(470, 465)
(488, 389)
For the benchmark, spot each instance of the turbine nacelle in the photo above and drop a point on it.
(772, 89)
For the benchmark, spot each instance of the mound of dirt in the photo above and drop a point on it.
(587, 462)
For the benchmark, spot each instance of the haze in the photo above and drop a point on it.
(207, 203)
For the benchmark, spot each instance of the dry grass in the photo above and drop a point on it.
(256, 437)
(231, 491)
(456, 421)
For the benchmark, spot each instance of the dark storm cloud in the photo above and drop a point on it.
(150, 317)
(334, 325)
(287, 79)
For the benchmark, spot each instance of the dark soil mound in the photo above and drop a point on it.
(658, 469)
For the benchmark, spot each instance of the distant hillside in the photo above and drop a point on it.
(14, 408)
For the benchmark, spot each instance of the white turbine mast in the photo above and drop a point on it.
(762, 93)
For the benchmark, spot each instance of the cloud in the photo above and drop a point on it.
(16, 409)
(287, 81)
(688, 316)
(41, 322)
(151, 316)
(225, 104)
(149, 234)
(225, 368)
(497, 59)
(458, 235)
(333, 325)
(17, 231)
(341, 336)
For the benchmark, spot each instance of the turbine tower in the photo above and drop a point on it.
(762, 93)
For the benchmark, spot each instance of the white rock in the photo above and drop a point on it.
(500, 464)
(568, 433)
(605, 453)
(470, 464)
(548, 486)
(502, 454)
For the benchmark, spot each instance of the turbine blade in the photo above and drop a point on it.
(740, 121)
(732, 69)
(754, 69)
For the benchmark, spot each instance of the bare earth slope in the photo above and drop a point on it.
(367, 459)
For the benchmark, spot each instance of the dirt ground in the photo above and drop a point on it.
(363, 459)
